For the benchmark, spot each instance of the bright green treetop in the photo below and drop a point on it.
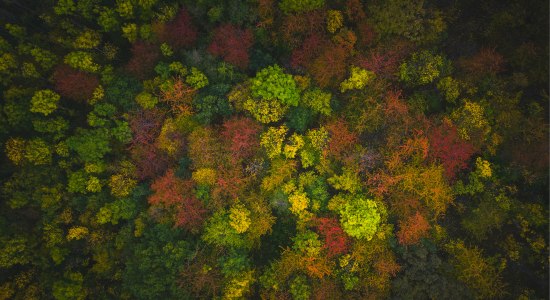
(360, 217)
(272, 83)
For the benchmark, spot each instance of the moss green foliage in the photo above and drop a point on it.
(422, 68)
(44, 102)
(274, 149)
(298, 6)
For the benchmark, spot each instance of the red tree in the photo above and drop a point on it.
(143, 61)
(232, 44)
(180, 32)
(384, 62)
(450, 149)
(486, 61)
(146, 125)
(171, 191)
(336, 241)
(241, 135)
(412, 229)
(74, 84)
(329, 68)
(341, 139)
(310, 48)
(297, 26)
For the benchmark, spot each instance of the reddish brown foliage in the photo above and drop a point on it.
(232, 44)
(326, 289)
(146, 125)
(144, 58)
(179, 96)
(486, 61)
(341, 138)
(206, 285)
(149, 161)
(386, 265)
(172, 191)
(190, 214)
(395, 106)
(365, 34)
(180, 32)
(354, 10)
(453, 152)
(229, 184)
(241, 135)
(74, 84)
(330, 67)
(384, 62)
(296, 27)
(336, 241)
(310, 48)
(412, 229)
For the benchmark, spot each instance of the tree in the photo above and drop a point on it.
(335, 20)
(475, 270)
(180, 32)
(318, 101)
(336, 242)
(310, 48)
(44, 102)
(272, 140)
(423, 68)
(143, 60)
(485, 62)
(359, 78)
(155, 261)
(232, 44)
(360, 217)
(171, 191)
(341, 139)
(242, 137)
(412, 229)
(81, 60)
(239, 218)
(329, 68)
(272, 83)
(38, 152)
(74, 84)
(90, 144)
(146, 126)
(447, 146)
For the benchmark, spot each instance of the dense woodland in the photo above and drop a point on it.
(274, 149)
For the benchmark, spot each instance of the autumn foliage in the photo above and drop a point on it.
(412, 229)
(447, 147)
(74, 84)
(241, 136)
(336, 241)
(180, 32)
(486, 61)
(143, 60)
(341, 139)
(172, 191)
(149, 160)
(232, 44)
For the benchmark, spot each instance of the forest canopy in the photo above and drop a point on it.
(274, 149)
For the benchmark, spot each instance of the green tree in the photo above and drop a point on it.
(44, 102)
(422, 68)
(360, 217)
(272, 83)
